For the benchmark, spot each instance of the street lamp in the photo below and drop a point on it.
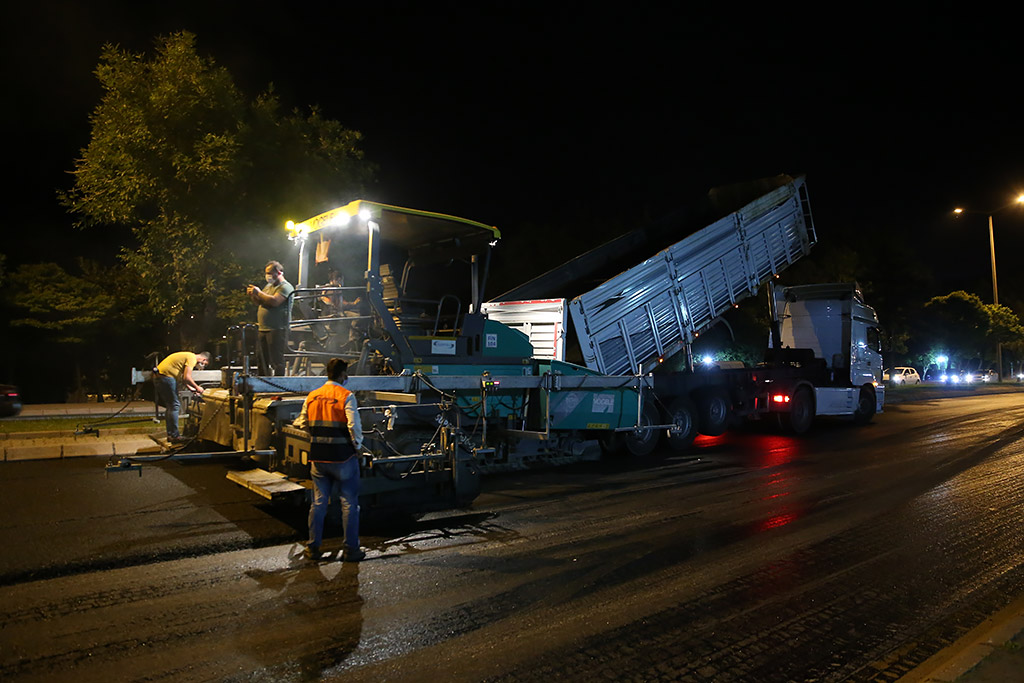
(992, 253)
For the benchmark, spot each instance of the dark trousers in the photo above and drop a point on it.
(270, 352)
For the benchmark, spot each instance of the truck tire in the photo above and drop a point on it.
(681, 413)
(713, 412)
(865, 406)
(801, 412)
(643, 441)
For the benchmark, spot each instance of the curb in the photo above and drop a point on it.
(965, 654)
(45, 449)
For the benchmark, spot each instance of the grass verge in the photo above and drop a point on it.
(129, 424)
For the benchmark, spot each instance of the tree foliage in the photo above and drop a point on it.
(1004, 325)
(957, 322)
(89, 325)
(961, 325)
(203, 177)
(74, 308)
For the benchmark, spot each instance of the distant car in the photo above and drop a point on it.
(902, 376)
(958, 377)
(986, 376)
(10, 400)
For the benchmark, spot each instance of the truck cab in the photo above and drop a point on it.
(832, 326)
(833, 321)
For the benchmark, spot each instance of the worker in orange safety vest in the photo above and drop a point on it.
(331, 416)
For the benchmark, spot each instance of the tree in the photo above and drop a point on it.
(957, 324)
(199, 174)
(1005, 328)
(1004, 325)
(66, 319)
(71, 307)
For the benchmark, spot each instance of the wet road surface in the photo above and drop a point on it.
(848, 554)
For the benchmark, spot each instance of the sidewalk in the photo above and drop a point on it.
(105, 441)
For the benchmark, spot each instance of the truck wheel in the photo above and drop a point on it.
(865, 407)
(713, 412)
(801, 412)
(643, 441)
(681, 413)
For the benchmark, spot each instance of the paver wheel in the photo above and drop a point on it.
(644, 440)
(683, 415)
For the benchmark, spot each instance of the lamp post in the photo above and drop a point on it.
(995, 285)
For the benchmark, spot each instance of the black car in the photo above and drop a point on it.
(10, 400)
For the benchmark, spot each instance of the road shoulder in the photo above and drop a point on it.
(980, 655)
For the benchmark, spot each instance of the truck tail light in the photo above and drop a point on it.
(780, 398)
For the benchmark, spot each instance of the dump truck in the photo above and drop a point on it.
(823, 358)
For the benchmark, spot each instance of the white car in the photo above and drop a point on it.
(902, 376)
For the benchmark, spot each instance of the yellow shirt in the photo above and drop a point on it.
(174, 365)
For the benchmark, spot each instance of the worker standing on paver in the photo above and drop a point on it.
(273, 316)
(176, 368)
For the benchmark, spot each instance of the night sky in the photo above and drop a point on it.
(526, 114)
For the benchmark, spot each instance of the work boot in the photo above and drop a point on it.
(352, 554)
(312, 552)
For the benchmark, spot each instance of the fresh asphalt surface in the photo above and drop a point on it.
(228, 514)
(994, 651)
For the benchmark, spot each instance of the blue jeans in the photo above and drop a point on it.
(342, 477)
(167, 395)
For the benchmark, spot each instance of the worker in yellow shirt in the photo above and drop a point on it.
(176, 368)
